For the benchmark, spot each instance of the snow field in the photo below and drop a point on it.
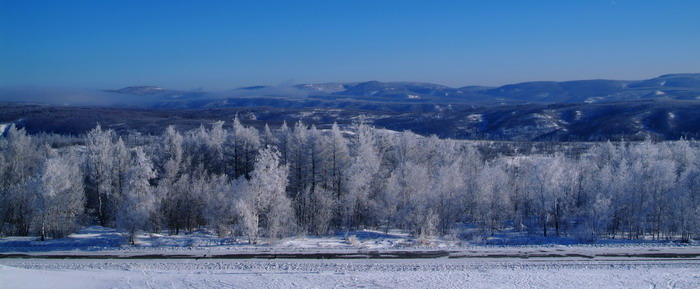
(439, 273)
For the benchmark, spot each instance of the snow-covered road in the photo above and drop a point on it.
(365, 273)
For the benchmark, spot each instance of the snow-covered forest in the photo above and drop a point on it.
(283, 181)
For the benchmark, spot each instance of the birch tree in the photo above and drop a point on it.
(60, 197)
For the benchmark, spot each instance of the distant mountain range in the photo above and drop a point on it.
(665, 107)
(413, 96)
(158, 92)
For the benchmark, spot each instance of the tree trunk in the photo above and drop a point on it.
(544, 224)
(99, 210)
(43, 230)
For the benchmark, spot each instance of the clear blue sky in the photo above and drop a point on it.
(227, 44)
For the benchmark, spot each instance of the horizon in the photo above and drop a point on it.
(222, 45)
(290, 84)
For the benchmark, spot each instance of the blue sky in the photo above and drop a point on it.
(226, 44)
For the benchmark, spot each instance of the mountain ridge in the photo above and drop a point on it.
(680, 86)
(666, 107)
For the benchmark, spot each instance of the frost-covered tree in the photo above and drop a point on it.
(138, 204)
(192, 190)
(268, 138)
(597, 188)
(319, 181)
(654, 174)
(102, 195)
(121, 166)
(60, 196)
(171, 152)
(317, 209)
(311, 173)
(219, 203)
(284, 138)
(493, 199)
(215, 148)
(339, 159)
(540, 194)
(360, 202)
(22, 159)
(299, 160)
(243, 145)
(412, 191)
(203, 147)
(264, 208)
(174, 190)
(686, 196)
(451, 192)
(317, 156)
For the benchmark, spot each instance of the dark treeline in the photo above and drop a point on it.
(289, 180)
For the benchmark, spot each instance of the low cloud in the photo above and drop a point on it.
(72, 96)
(283, 90)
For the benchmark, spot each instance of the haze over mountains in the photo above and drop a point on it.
(403, 96)
(665, 107)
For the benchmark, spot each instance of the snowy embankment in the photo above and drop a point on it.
(104, 243)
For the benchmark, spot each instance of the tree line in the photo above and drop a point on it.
(272, 183)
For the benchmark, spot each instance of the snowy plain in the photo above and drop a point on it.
(99, 257)
(433, 273)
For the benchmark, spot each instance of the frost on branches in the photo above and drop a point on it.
(236, 180)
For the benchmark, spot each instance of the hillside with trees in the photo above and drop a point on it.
(297, 179)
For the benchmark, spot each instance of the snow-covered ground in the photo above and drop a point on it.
(434, 273)
(99, 239)
(98, 257)
(100, 242)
